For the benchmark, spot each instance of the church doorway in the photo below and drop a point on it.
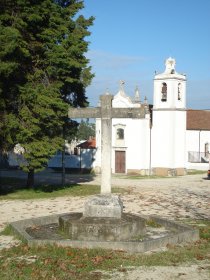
(119, 161)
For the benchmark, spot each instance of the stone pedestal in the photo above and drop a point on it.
(103, 220)
(78, 227)
(104, 206)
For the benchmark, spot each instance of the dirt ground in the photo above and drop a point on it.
(173, 198)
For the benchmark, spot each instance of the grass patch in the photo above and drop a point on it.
(195, 172)
(47, 191)
(205, 233)
(7, 231)
(53, 262)
(137, 177)
(152, 223)
(140, 177)
(14, 188)
(203, 226)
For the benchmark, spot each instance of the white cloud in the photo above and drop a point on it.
(101, 60)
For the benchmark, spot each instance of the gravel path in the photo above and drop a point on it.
(174, 198)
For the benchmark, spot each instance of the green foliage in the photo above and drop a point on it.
(205, 233)
(194, 172)
(43, 70)
(8, 230)
(85, 130)
(70, 129)
(203, 226)
(152, 223)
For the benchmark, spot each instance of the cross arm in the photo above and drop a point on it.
(134, 113)
(75, 113)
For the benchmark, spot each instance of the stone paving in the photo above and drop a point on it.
(176, 198)
(173, 204)
(186, 197)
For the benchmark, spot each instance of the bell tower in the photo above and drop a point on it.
(169, 121)
(170, 88)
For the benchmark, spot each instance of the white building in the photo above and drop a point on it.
(168, 140)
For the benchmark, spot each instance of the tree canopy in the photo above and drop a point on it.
(43, 71)
(85, 130)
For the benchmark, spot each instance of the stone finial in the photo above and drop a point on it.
(145, 100)
(137, 95)
(170, 65)
(122, 85)
(99, 103)
(146, 105)
(122, 91)
(107, 92)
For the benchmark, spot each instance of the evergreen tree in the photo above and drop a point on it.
(43, 69)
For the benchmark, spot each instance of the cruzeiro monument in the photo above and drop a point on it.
(103, 223)
(102, 215)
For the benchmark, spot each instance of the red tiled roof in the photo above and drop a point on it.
(198, 120)
(89, 144)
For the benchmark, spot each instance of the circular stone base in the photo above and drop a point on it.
(78, 227)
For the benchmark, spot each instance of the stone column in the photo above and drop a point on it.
(105, 205)
(106, 143)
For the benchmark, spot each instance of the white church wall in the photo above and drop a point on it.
(198, 149)
(196, 140)
(180, 139)
(162, 139)
(138, 145)
(168, 139)
(135, 145)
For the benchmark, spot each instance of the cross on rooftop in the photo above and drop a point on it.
(122, 85)
(106, 113)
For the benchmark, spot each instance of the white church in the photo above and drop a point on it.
(168, 141)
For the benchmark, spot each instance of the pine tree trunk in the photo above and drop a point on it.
(30, 179)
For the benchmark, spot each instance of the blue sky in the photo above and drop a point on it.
(130, 40)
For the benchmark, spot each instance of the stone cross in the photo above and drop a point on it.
(106, 113)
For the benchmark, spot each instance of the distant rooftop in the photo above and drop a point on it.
(198, 120)
(89, 144)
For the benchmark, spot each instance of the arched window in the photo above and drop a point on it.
(120, 133)
(164, 92)
(179, 91)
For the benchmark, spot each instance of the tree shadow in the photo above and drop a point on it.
(206, 178)
(10, 184)
(38, 188)
(45, 181)
(47, 188)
